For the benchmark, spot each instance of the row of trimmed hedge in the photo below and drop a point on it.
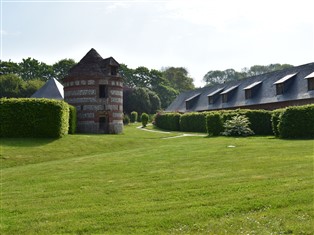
(36, 118)
(291, 122)
(198, 122)
(168, 121)
(294, 122)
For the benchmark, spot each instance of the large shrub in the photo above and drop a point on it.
(33, 118)
(72, 119)
(237, 126)
(214, 124)
(193, 122)
(297, 122)
(168, 121)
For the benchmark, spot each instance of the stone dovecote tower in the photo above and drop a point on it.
(95, 88)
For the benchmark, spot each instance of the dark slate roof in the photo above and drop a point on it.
(92, 64)
(52, 89)
(263, 87)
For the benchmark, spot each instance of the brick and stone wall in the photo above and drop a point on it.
(83, 93)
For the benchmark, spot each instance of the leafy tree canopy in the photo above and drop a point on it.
(141, 100)
(31, 68)
(178, 78)
(214, 77)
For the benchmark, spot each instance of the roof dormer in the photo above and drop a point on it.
(251, 90)
(212, 97)
(228, 94)
(310, 81)
(190, 102)
(282, 85)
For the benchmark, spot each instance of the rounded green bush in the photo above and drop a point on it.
(134, 116)
(144, 118)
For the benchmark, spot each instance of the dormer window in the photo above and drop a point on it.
(190, 102)
(212, 97)
(251, 90)
(310, 81)
(282, 84)
(227, 94)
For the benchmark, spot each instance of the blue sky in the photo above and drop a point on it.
(199, 35)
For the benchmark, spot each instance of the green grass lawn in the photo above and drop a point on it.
(142, 182)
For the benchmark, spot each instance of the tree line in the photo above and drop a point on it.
(146, 90)
(24, 78)
(151, 90)
(214, 77)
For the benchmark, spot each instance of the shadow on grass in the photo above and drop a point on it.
(26, 142)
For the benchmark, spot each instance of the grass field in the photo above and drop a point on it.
(143, 182)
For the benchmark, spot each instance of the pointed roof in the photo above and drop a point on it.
(91, 57)
(52, 89)
(92, 64)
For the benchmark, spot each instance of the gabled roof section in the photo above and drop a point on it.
(254, 84)
(311, 75)
(52, 89)
(229, 89)
(285, 78)
(215, 92)
(111, 61)
(193, 97)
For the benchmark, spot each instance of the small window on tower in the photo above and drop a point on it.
(103, 91)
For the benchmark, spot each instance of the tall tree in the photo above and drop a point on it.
(127, 75)
(11, 86)
(214, 77)
(178, 78)
(219, 77)
(33, 69)
(166, 94)
(9, 67)
(62, 67)
(30, 87)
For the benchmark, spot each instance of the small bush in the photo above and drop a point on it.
(237, 126)
(126, 119)
(33, 118)
(168, 121)
(214, 124)
(193, 122)
(72, 120)
(134, 116)
(297, 122)
(144, 118)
